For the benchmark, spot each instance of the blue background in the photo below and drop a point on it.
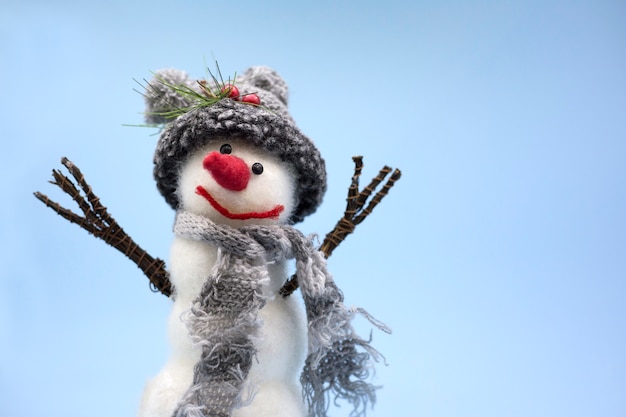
(499, 259)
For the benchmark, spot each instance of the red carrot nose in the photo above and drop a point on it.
(228, 171)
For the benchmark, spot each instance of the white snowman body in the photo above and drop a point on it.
(213, 184)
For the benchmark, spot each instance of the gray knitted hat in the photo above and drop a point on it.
(267, 125)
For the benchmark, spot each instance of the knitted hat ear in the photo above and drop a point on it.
(160, 97)
(268, 79)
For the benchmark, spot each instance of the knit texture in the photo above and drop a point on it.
(338, 360)
(268, 126)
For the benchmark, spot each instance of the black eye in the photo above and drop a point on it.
(226, 148)
(257, 168)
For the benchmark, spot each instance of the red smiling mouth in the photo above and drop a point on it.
(270, 214)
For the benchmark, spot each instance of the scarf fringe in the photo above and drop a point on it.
(339, 361)
(340, 375)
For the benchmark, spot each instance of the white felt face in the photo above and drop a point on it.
(236, 183)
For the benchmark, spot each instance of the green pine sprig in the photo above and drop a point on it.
(207, 94)
(211, 90)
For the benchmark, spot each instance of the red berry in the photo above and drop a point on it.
(233, 91)
(251, 98)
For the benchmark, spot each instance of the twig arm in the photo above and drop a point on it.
(356, 211)
(102, 225)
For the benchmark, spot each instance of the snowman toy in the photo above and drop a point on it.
(239, 174)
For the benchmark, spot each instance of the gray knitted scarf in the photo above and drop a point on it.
(230, 300)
